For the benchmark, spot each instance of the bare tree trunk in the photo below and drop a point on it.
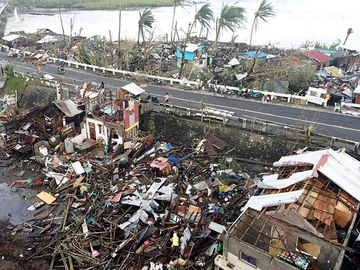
(104, 52)
(217, 35)
(119, 38)
(176, 33)
(139, 33)
(252, 31)
(142, 35)
(172, 23)
(111, 51)
(201, 31)
(62, 24)
(72, 21)
(183, 50)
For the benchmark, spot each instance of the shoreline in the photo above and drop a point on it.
(89, 5)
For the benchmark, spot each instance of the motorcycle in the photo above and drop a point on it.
(61, 71)
(152, 99)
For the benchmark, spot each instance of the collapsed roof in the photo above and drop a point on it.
(323, 187)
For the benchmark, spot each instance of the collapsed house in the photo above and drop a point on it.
(112, 121)
(303, 217)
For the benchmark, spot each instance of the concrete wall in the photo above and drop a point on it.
(99, 135)
(246, 144)
(264, 260)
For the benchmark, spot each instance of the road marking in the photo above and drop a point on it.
(211, 104)
(262, 113)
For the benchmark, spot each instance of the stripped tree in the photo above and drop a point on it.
(177, 3)
(204, 16)
(265, 11)
(146, 21)
(348, 33)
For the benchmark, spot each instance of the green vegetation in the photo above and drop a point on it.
(90, 4)
(145, 22)
(9, 71)
(230, 18)
(3, 21)
(15, 83)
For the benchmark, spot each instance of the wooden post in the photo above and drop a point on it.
(62, 24)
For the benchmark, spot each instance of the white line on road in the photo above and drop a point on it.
(217, 105)
(262, 113)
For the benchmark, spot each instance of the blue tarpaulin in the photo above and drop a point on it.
(254, 54)
(173, 160)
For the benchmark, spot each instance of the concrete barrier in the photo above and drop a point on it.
(171, 81)
(270, 127)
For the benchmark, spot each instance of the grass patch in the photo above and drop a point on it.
(14, 84)
(90, 4)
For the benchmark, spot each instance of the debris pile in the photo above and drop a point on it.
(304, 216)
(155, 204)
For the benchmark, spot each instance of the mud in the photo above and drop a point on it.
(14, 203)
(13, 210)
(13, 253)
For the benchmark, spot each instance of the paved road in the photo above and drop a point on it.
(325, 122)
(3, 4)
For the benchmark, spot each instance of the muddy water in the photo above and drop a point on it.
(296, 21)
(14, 203)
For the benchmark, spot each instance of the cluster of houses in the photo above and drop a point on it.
(90, 118)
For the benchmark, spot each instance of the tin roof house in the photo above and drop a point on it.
(302, 218)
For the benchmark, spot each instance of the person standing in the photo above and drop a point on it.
(166, 98)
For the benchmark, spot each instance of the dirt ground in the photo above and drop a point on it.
(14, 248)
(13, 253)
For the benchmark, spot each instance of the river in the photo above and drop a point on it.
(296, 21)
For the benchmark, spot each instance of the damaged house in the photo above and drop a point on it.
(117, 120)
(302, 218)
(194, 54)
(318, 58)
(59, 119)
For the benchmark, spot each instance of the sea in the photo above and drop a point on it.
(297, 22)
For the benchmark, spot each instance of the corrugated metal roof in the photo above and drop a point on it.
(357, 90)
(11, 37)
(47, 39)
(254, 54)
(191, 47)
(338, 166)
(68, 107)
(234, 62)
(343, 170)
(317, 56)
(134, 89)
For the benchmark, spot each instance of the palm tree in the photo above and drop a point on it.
(204, 16)
(177, 3)
(348, 32)
(265, 10)
(230, 18)
(146, 20)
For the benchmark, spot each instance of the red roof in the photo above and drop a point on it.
(317, 56)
